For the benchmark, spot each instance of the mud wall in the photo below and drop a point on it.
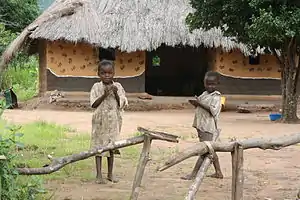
(235, 64)
(238, 76)
(74, 67)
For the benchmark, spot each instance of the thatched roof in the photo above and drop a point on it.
(129, 25)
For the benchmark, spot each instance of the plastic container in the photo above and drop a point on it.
(11, 99)
(275, 116)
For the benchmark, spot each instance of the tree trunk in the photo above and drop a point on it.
(289, 80)
(144, 158)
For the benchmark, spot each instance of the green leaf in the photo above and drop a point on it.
(20, 145)
(19, 134)
(259, 22)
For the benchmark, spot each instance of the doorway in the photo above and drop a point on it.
(176, 71)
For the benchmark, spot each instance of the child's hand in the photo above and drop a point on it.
(197, 98)
(106, 91)
(194, 102)
(114, 89)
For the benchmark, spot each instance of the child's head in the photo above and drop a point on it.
(211, 80)
(106, 71)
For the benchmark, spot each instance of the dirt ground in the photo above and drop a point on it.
(269, 175)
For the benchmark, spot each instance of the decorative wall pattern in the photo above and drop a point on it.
(81, 60)
(130, 64)
(235, 64)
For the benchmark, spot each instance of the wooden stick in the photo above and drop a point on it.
(198, 180)
(275, 143)
(141, 168)
(237, 173)
(58, 163)
(159, 135)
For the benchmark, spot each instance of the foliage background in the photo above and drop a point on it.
(22, 72)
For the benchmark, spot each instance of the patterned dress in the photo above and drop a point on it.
(203, 120)
(107, 118)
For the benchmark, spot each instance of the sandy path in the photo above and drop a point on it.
(269, 174)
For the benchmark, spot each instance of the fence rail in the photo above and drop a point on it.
(203, 148)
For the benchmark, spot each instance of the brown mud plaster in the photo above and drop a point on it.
(81, 60)
(232, 63)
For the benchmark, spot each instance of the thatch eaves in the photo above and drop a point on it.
(129, 25)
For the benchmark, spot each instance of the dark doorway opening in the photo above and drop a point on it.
(107, 54)
(176, 71)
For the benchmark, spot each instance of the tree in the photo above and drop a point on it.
(17, 14)
(5, 38)
(274, 24)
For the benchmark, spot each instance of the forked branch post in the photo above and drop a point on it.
(237, 173)
(144, 158)
(199, 179)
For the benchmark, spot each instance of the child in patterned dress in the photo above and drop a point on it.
(208, 107)
(108, 99)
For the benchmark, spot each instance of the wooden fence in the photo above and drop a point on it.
(206, 149)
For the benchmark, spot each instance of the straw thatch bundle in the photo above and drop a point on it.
(131, 25)
(128, 25)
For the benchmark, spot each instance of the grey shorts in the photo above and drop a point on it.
(204, 136)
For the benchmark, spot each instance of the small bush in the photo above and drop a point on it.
(5, 38)
(13, 187)
(22, 76)
(22, 73)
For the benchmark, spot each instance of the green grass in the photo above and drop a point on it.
(42, 138)
(58, 141)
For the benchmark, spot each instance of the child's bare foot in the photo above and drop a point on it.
(100, 181)
(217, 175)
(188, 177)
(112, 179)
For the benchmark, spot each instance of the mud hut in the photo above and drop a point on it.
(152, 47)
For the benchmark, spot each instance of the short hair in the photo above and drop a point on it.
(212, 73)
(105, 63)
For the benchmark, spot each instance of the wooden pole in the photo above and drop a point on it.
(237, 173)
(42, 48)
(198, 180)
(144, 157)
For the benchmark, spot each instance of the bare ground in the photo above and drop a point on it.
(268, 174)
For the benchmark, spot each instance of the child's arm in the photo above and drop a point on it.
(197, 103)
(214, 107)
(100, 99)
(204, 106)
(115, 90)
(120, 95)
